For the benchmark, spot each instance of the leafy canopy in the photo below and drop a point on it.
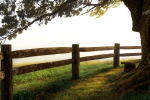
(18, 15)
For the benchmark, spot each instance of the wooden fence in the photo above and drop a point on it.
(7, 72)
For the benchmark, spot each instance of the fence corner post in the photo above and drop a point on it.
(6, 66)
(117, 53)
(76, 63)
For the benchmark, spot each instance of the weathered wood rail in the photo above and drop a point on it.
(7, 72)
(40, 51)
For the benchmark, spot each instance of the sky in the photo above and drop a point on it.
(114, 27)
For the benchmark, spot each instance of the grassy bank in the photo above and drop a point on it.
(56, 84)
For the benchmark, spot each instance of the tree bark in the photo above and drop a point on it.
(135, 7)
(138, 79)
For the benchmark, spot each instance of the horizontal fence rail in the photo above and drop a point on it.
(85, 49)
(130, 54)
(41, 66)
(40, 51)
(96, 57)
(130, 47)
(7, 72)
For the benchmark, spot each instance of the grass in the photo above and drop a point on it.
(56, 84)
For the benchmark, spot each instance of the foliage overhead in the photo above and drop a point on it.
(18, 15)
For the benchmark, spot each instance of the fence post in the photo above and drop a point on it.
(116, 52)
(76, 63)
(6, 66)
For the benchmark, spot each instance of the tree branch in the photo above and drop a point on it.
(50, 14)
(42, 16)
(89, 4)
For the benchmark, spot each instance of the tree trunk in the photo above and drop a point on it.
(138, 79)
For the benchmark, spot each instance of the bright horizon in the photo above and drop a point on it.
(114, 27)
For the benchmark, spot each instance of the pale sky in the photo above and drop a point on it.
(114, 27)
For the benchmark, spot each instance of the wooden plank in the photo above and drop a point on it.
(131, 61)
(117, 56)
(76, 63)
(40, 51)
(96, 57)
(41, 66)
(85, 49)
(6, 65)
(130, 47)
(130, 54)
(2, 75)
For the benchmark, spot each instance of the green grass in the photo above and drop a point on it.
(56, 84)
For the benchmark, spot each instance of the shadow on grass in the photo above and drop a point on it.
(105, 95)
(42, 92)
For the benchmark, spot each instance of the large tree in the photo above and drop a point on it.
(19, 15)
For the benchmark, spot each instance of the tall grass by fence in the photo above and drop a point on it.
(7, 72)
